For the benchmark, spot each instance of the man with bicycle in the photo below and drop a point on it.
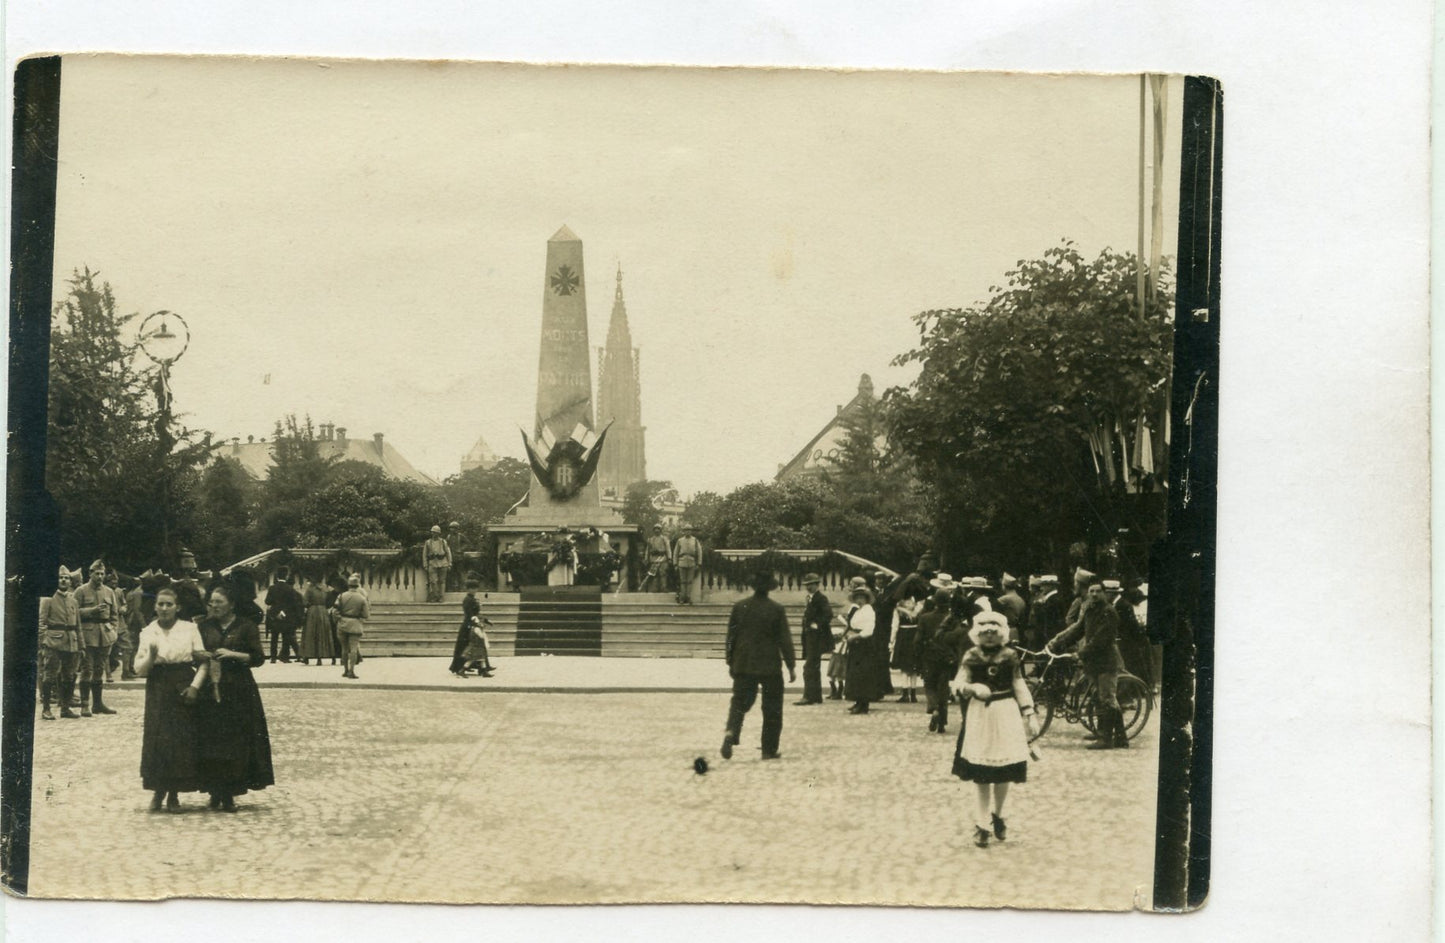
(1099, 657)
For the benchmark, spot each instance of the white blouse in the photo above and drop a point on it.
(174, 646)
(861, 619)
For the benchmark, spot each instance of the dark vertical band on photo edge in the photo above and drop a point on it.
(31, 550)
(1181, 578)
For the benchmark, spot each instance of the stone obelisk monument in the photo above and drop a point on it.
(564, 394)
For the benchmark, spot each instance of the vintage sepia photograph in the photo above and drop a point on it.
(493, 483)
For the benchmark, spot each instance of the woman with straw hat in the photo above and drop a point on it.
(861, 680)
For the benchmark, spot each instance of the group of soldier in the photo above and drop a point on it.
(681, 558)
(89, 630)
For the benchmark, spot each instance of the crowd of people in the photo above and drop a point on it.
(960, 640)
(195, 639)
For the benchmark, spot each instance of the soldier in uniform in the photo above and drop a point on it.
(659, 553)
(99, 612)
(437, 558)
(60, 647)
(687, 557)
(817, 639)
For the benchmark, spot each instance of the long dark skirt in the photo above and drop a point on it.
(905, 649)
(464, 635)
(862, 681)
(168, 758)
(235, 745)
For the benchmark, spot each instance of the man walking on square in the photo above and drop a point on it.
(758, 644)
(437, 557)
(99, 611)
(817, 639)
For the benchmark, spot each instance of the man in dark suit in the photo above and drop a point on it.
(817, 640)
(285, 611)
(1046, 612)
(758, 644)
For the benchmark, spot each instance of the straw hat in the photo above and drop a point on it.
(943, 581)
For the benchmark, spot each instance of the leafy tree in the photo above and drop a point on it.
(362, 507)
(777, 514)
(224, 499)
(483, 496)
(298, 471)
(637, 506)
(118, 479)
(1010, 395)
(702, 512)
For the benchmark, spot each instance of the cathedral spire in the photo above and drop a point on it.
(620, 402)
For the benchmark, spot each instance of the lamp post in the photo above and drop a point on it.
(163, 337)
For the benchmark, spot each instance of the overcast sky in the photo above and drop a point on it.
(366, 242)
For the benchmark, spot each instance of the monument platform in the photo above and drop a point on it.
(564, 621)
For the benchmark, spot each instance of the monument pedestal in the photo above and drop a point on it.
(566, 450)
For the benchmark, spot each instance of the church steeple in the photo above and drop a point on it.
(619, 401)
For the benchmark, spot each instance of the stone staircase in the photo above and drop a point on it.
(634, 625)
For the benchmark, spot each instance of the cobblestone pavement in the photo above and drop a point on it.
(556, 797)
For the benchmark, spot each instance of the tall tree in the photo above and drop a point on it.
(117, 482)
(1018, 420)
(299, 469)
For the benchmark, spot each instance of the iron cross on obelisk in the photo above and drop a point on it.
(569, 492)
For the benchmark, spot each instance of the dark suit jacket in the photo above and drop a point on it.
(285, 607)
(759, 640)
(817, 615)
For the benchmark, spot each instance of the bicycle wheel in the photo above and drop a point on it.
(1136, 703)
(1043, 706)
(1082, 705)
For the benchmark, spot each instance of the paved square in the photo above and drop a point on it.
(486, 796)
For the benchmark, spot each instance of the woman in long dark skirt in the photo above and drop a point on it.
(860, 684)
(234, 750)
(470, 607)
(317, 640)
(165, 656)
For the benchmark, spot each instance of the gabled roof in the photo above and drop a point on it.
(833, 431)
(255, 458)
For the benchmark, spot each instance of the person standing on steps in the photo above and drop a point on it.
(817, 639)
(352, 610)
(759, 643)
(686, 558)
(436, 556)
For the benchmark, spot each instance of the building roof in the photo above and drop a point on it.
(255, 457)
(481, 456)
(812, 458)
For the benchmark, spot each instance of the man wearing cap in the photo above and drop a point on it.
(1082, 579)
(1011, 604)
(687, 557)
(453, 538)
(759, 642)
(98, 609)
(60, 647)
(437, 558)
(353, 610)
(817, 639)
(1098, 629)
(1134, 644)
(659, 552)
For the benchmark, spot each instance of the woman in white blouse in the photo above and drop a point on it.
(166, 656)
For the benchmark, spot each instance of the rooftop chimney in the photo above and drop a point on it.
(250, 439)
(376, 437)
(340, 434)
(235, 444)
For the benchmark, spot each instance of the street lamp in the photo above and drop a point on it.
(163, 337)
